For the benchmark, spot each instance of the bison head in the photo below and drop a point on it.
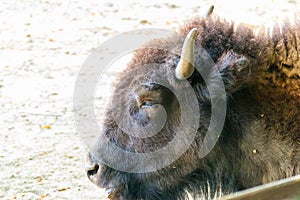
(150, 103)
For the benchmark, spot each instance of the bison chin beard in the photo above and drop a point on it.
(122, 185)
(171, 182)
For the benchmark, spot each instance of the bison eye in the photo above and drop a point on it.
(148, 104)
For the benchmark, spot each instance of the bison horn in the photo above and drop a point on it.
(185, 67)
(209, 11)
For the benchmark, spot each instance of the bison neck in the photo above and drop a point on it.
(262, 133)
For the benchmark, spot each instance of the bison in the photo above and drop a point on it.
(260, 137)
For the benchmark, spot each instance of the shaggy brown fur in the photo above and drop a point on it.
(260, 141)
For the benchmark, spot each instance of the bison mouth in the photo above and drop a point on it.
(110, 192)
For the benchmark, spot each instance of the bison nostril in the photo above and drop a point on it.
(92, 170)
(91, 167)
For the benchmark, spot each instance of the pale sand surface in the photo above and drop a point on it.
(42, 46)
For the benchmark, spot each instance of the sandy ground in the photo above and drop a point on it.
(43, 43)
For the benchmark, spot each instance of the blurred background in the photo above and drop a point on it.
(43, 43)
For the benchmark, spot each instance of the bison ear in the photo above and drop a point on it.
(234, 70)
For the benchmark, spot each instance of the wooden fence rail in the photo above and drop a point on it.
(285, 189)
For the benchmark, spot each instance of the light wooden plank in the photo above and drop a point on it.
(288, 188)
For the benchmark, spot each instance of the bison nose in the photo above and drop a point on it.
(91, 167)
